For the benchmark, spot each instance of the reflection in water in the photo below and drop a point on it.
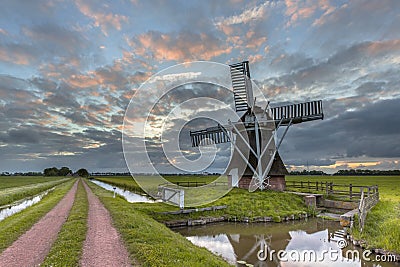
(302, 245)
(219, 245)
(128, 195)
(239, 243)
(12, 209)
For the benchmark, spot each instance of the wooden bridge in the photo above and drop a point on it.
(365, 196)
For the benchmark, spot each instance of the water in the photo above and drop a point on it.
(128, 195)
(20, 206)
(239, 244)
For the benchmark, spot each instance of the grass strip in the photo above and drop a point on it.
(241, 204)
(382, 227)
(17, 181)
(67, 249)
(14, 226)
(150, 242)
(10, 195)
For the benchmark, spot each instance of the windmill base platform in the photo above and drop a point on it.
(276, 183)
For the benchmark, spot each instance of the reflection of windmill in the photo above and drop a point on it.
(255, 158)
(249, 248)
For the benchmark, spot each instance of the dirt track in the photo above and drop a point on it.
(103, 245)
(31, 248)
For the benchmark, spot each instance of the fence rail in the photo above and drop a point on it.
(366, 204)
(350, 191)
(193, 184)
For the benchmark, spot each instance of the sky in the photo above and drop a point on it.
(68, 70)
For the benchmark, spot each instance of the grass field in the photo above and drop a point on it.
(241, 204)
(382, 228)
(25, 187)
(16, 181)
(14, 226)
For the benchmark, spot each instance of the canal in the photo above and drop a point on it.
(312, 242)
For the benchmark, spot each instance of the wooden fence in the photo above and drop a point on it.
(367, 201)
(349, 191)
(193, 184)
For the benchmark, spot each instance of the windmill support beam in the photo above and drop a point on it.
(259, 161)
(279, 144)
(243, 139)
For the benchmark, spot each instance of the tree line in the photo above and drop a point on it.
(65, 171)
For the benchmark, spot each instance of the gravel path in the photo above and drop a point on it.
(31, 248)
(103, 245)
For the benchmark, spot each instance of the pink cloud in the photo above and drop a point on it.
(183, 46)
(102, 19)
(298, 10)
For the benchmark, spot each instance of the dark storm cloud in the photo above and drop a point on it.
(355, 21)
(20, 136)
(54, 39)
(61, 99)
(371, 131)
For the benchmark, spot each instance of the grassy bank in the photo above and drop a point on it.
(241, 203)
(25, 187)
(14, 226)
(67, 249)
(382, 226)
(151, 243)
(16, 181)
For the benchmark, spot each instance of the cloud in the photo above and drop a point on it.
(19, 54)
(101, 19)
(180, 46)
(367, 132)
(246, 16)
(299, 10)
(55, 39)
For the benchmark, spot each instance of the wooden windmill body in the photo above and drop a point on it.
(256, 163)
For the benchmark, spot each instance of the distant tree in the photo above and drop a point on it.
(50, 172)
(82, 173)
(64, 171)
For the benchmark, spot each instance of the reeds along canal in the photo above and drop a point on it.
(129, 196)
(240, 243)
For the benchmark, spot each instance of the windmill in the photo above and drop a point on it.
(254, 137)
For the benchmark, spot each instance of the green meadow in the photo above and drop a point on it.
(382, 227)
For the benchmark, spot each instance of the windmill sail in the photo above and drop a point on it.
(298, 113)
(241, 83)
(209, 136)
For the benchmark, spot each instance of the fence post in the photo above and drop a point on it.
(351, 190)
(316, 185)
(369, 190)
(308, 182)
(327, 191)
(331, 188)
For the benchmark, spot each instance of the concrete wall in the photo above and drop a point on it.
(340, 204)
